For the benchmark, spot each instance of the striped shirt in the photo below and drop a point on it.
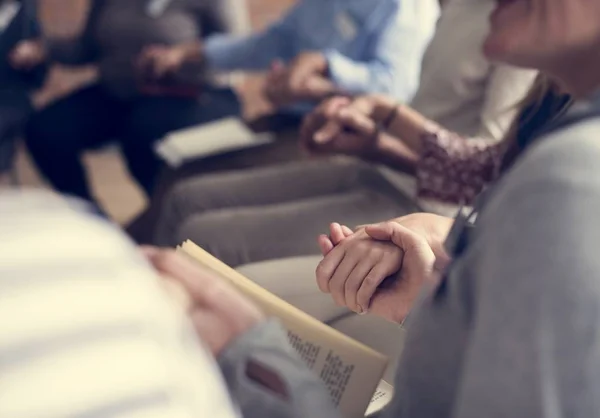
(87, 330)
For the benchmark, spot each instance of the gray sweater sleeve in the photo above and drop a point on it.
(267, 345)
(534, 349)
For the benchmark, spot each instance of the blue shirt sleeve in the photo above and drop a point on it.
(255, 52)
(394, 66)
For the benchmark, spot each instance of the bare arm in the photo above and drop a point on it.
(63, 18)
(67, 27)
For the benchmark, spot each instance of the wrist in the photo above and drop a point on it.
(381, 147)
(435, 229)
(384, 107)
(191, 51)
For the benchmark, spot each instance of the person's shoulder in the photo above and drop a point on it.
(565, 162)
(571, 153)
(540, 223)
(552, 194)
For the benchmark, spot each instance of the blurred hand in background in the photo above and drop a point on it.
(27, 55)
(219, 312)
(303, 79)
(156, 62)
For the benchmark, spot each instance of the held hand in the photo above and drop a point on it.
(303, 79)
(344, 127)
(353, 271)
(305, 66)
(27, 55)
(220, 314)
(355, 268)
(156, 62)
(337, 233)
(323, 116)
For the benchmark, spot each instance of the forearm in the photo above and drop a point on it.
(253, 53)
(395, 154)
(62, 18)
(356, 78)
(66, 27)
(192, 51)
(403, 122)
(267, 379)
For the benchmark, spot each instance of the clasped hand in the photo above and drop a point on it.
(303, 79)
(382, 268)
(157, 62)
(220, 314)
(27, 55)
(342, 125)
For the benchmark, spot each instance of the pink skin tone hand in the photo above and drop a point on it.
(337, 233)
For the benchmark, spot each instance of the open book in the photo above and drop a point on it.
(350, 370)
(214, 138)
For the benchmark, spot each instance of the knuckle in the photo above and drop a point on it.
(372, 280)
(323, 275)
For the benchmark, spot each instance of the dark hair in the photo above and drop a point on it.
(543, 103)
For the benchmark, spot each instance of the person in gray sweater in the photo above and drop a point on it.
(510, 326)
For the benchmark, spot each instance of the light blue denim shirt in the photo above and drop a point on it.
(372, 46)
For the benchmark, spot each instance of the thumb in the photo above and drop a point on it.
(325, 244)
(382, 231)
(327, 133)
(410, 242)
(396, 233)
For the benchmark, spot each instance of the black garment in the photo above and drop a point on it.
(15, 86)
(23, 26)
(91, 117)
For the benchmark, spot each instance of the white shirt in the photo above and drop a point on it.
(86, 329)
(460, 89)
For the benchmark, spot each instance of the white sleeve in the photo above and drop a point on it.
(506, 87)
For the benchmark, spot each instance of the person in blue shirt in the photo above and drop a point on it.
(325, 47)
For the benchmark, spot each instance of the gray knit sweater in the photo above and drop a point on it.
(516, 332)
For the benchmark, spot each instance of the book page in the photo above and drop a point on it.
(383, 396)
(350, 370)
(210, 139)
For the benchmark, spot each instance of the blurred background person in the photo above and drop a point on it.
(88, 327)
(317, 49)
(322, 48)
(22, 69)
(147, 86)
(273, 212)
